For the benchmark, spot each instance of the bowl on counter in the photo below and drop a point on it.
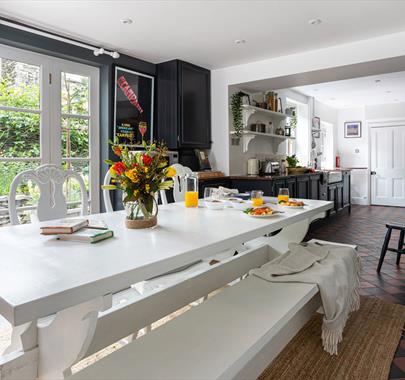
(214, 204)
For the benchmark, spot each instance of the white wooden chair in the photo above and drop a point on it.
(52, 203)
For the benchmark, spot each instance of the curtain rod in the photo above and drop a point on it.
(31, 29)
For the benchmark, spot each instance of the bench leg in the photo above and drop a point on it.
(384, 249)
(400, 245)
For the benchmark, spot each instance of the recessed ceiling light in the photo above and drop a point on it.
(240, 42)
(377, 81)
(126, 21)
(315, 21)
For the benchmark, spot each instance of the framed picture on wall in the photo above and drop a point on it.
(133, 107)
(352, 129)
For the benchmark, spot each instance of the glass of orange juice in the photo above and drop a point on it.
(191, 195)
(256, 196)
(283, 195)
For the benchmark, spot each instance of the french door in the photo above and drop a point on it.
(49, 113)
(388, 165)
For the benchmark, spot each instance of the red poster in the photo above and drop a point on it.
(129, 92)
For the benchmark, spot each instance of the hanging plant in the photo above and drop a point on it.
(236, 108)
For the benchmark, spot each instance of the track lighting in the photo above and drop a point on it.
(100, 51)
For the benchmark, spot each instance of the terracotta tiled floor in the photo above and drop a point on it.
(365, 226)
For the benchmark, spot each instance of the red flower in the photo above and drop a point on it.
(147, 160)
(117, 150)
(119, 168)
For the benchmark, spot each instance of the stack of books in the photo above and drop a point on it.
(80, 229)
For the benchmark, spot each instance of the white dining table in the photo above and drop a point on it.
(41, 276)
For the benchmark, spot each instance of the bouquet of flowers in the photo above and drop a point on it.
(140, 175)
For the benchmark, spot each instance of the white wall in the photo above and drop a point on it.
(386, 46)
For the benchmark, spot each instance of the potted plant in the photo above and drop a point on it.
(293, 167)
(237, 115)
(140, 175)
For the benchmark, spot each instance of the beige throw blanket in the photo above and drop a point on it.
(336, 271)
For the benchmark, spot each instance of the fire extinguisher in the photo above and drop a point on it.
(338, 161)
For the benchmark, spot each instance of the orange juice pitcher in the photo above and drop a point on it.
(191, 195)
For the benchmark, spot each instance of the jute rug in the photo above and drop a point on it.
(369, 342)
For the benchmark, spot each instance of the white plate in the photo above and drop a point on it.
(275, 213)
(293, 207)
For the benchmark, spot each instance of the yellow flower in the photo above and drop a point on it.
(147, 188)
(131, 174)
(113, 173)
(171, 172)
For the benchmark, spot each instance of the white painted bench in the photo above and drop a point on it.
(235, 334)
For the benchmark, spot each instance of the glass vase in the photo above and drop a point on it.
(141, 213)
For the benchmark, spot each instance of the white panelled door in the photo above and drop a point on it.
(388, 166)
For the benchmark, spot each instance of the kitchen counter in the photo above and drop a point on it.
(258, 177)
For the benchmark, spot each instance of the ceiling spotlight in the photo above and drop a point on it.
(315, 21)
(240, 42)
(377, 81)
(126, 21)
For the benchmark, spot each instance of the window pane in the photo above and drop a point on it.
(19, 84)
(75, 137)
(27, 191)
(71, 187)
(19, 134)
(75, 94)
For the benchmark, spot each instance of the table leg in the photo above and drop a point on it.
(64, 338)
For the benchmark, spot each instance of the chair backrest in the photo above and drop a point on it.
(179, 188)
(107, 199)
(52, 203)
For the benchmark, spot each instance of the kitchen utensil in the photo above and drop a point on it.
(253, 166)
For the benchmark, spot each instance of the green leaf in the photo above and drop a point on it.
(109, 187)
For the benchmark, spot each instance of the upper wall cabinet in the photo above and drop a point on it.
(183, 105)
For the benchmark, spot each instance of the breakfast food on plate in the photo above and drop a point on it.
(259, 211)
(291, 202)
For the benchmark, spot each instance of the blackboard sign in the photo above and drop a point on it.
(133, 107)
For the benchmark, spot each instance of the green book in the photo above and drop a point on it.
(87, 235)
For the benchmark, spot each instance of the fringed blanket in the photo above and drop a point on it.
(336, 271)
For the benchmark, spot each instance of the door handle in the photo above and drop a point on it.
(373, 173)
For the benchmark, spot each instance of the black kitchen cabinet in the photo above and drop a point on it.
(291, 185)
(183, 105)
(303, 187)
(339, 196)
(346, 190)
(215, 182)
(332, 197)
(247, 185)
(315, 186)
(277, 185)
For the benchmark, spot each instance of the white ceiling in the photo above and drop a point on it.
(358, 92)
(203, 32)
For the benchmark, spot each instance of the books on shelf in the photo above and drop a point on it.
(64, 226)
(87, 235)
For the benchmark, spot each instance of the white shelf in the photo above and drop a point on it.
(248, 136)
(253, 109)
